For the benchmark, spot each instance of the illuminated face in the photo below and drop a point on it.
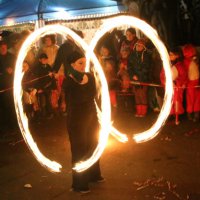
(3, 49)
(48, 41)
(139, 47)
(129, 36)
(124, 54)
(173, 56)
(105, 51)
(80, 64)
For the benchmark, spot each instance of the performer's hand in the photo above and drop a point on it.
(51, 74)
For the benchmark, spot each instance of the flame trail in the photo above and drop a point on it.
(152, 34)
(22, 119)
(105, 106)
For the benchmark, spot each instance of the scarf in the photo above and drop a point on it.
(76, 74)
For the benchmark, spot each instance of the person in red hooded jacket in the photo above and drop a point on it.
(179, 77)
(193, 91)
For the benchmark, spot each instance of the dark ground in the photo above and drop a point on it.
(167, 167)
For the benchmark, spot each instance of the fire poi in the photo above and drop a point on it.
(104, 114)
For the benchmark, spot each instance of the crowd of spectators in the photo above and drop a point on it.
(131, 63)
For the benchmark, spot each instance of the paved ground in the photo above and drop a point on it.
(167, 167)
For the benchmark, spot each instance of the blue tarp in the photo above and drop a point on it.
(17, 11)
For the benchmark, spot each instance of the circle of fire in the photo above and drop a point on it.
(153, 36)
(22, 119)
(104, 114)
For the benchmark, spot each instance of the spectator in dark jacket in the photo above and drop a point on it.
(7, 111)
(138, 68)
(45, 85)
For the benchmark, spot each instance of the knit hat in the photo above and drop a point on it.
(75, 56)
(141, 42)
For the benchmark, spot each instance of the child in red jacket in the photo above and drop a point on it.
(193, 91)
(179, 77)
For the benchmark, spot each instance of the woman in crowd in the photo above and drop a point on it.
(49, 48)
(131, 39)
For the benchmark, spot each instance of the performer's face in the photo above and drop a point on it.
(79, 64)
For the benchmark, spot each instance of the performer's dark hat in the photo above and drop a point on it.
(75, 56)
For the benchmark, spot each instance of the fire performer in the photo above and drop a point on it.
(82, 121)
